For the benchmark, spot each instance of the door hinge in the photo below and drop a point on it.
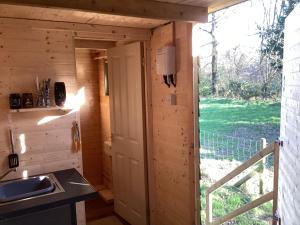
(280, 142)
(277, 218)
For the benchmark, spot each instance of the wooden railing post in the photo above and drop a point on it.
(272, 148)
(209, 208)
(276, 176)
(261, 166)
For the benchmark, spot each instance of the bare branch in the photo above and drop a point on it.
(209, 32)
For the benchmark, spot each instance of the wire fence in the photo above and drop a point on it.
(223, 147)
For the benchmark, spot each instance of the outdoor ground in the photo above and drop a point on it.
(231, 121)
(248, 119)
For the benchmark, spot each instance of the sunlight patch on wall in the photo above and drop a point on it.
(76, 101)
(22, 143)
(73, 103)
(47, 119)
(25, 174)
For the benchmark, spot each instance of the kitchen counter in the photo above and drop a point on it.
(76, 189)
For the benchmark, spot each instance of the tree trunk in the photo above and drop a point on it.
(214, 58)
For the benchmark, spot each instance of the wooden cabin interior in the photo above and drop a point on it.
(137, 143)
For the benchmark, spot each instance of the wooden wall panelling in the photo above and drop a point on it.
(173, 133)
(149, 130)
(105, 129)
(91, 44)
(87, 78)
(81, 31)
(46, 136)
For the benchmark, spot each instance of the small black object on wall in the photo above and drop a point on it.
(60, 93)
(27, 99)
(15, 101)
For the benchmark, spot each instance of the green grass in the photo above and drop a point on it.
(244, 119)
(228, 199)
(252, 120)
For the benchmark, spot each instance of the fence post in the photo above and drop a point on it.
(261, 165)
(209, 209)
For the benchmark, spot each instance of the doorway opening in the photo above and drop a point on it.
(95, 129)
(240, 102)
(113, 131)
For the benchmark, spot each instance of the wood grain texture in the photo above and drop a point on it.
(74, 30)
(30, 48)
(43, 139)
(131, 8)
(63, 15)
(172, 149)
(105, 134)
(213, 5)
(87, 78)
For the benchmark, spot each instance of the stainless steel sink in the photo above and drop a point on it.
(26, 188)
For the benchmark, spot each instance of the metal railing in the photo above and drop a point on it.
(223, 147)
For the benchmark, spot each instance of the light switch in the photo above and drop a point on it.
(171, 99)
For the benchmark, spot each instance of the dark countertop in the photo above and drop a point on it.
(76, 189)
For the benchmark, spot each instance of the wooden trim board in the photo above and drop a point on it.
(222, 4)
(196, 143)
(81, 31)
(133, 8)
(92, 44)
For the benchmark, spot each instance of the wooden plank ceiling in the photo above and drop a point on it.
(131, 13)
(212, 5)
(64, 15)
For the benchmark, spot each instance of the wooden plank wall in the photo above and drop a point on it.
(24, 55)
(105, 135)
(27, 53)
(32, 47)
(87, 78)
(172, 197)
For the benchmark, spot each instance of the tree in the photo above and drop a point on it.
(272, 35)
(272, 42)
(214, 53)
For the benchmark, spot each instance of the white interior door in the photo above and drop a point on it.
(126, 97)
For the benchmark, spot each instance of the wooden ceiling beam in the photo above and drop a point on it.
(222, 4)
(92, 44)
(133, 8)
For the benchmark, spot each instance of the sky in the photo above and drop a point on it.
(238, 27)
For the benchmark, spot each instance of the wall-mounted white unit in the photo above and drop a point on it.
(166, 61)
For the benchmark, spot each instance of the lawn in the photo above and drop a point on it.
(248, 119)
(228, 199)
(251, 120)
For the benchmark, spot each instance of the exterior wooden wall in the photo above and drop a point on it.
(289, 197)
(87, 78)
(171, 161)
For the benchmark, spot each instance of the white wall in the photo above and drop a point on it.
(289, 179)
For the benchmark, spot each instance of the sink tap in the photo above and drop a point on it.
(2, 176)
